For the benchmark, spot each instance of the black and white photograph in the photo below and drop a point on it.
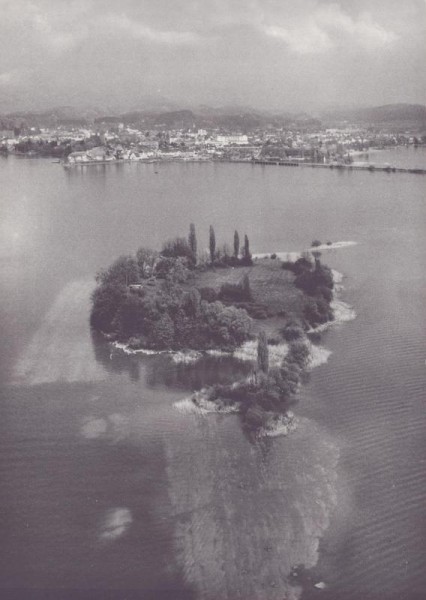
(213, 292)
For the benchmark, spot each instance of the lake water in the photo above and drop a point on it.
(105, 484)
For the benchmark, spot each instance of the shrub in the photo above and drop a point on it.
(314, 280)
(317, 311)
(316, 243)
(191, 303)
(298, 267)
(292, 332)
(224, 325)
(288, 265)
(298, 353)
(208, 293)
(236, 292)
(273, 256)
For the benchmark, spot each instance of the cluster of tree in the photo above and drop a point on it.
(268, 391)
(316, 280)
(42, 148)
(140, 300)
(238, 295)
(56, 149)
(218, 256)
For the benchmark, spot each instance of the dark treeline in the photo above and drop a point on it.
(148, 301)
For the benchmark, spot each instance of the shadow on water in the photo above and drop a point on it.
(114, 361)
(206, 371)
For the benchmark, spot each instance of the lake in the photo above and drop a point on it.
(108, 485)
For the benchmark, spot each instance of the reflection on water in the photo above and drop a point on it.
(112, 360)
(207, 371)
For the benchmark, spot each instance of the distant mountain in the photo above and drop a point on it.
(227, 118)
(166, 116)
(391, 115)
(61, 115)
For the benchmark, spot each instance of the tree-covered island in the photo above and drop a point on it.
(181, 299)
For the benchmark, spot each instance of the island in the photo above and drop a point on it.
(182, 300)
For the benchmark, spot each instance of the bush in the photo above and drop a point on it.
(292, 332)
(298, 353)
(300, 266)
(288, 265)
(223, 325)
(317, 311)
(236, 292)
(313, 281)
(316, 243)
(274, 340)
(273, 256)
(208, 294)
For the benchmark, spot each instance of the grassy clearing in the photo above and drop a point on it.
(271, 286)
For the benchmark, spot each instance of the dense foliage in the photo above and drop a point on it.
(157, 312)
(151, 301)
(316, 281)
(263, 395)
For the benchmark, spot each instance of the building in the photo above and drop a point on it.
(227, 140)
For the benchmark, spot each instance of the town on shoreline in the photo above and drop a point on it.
(184, 136)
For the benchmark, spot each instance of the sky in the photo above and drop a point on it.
(271, 54)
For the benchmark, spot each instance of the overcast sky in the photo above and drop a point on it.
(285, 54)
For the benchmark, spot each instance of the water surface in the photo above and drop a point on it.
(105, 484)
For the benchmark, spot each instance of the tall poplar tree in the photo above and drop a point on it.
(192, 240)
(246, 251)
(212, 243)
(236, 244)
(263, 352)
